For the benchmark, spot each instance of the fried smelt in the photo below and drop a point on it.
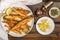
(22, 24)
(19, 13)
(10, 24)
(5, 20)
(19, 16)
(23, 11)
(16, 18)
(18, 31)
(23, 28)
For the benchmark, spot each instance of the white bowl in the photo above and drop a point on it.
(50, 30)
(57, 10)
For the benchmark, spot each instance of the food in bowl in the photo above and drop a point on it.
(44, 25)
(54, 12)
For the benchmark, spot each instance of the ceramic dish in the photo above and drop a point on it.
(30, 23)
(48, 30)
(55, 16)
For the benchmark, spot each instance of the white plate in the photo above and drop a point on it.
(57, 10)
(26, 2)
(49, 31)
(18, 4)
(31, 2)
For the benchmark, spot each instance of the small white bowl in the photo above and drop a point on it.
(55, 15)
(50, 30)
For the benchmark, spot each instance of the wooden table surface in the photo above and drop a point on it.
(34, 35)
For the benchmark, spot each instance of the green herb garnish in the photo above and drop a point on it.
(54, 12)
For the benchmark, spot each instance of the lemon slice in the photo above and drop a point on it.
(8, 10)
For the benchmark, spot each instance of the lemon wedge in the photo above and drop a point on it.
(8, 10)
(44, 25)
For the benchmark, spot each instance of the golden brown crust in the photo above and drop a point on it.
(17, 20)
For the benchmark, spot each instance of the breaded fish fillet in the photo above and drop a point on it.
(16, 18)
(10, 23)
(22, 23)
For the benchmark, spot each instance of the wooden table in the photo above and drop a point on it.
(34, 35)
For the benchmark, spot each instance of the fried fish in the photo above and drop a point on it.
(16, 18)
(21, 10)
(22, 25)
(10, 23)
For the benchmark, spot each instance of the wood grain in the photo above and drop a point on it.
(34, 35)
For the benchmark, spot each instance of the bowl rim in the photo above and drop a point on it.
(57, 10)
